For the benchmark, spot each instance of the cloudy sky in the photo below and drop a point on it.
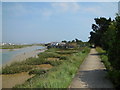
(36, 22)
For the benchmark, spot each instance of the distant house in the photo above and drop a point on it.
(52, 45)
(61, 45)
(55, 45)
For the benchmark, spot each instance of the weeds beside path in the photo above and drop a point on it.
(92, 73)
(63, 65)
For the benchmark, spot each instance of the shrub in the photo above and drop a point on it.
(16, 69)
(63, 58)
(48, 54)
(37, 71)
(114, 76)
(34, 61)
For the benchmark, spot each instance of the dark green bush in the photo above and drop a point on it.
(37, 71)
(53, 63)
(115, 77)
(67, 52)
(83, 51)
(63, 58)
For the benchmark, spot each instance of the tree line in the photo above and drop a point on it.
(106, 34)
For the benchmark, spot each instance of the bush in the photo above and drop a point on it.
(66, 52)
(16, 69)
(37, 71)
(34, 61)
(63, 58)
(53, 63)
(114, 76)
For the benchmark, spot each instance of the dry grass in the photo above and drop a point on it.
(44, 66)
(53, 59)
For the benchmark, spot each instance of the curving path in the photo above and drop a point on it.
(92, 73)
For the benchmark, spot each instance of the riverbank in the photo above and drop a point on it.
(14, 46)
(24, 56)
(50, 68)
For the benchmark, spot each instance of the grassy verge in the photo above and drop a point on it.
(60, 75)
(113, 75)
(104, 58)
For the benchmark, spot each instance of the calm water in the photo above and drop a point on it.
(8, 55)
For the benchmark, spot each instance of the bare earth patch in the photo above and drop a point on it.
(44, 66)
(9, 81)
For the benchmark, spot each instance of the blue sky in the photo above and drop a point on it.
(41, 22)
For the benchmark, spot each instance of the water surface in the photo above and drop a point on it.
(7, 55)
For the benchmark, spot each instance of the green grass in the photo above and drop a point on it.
(59, 76)
(113, 75)
(16, 69)
(104, 58)
(27, 65)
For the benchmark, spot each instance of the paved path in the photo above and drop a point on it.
(91, 74)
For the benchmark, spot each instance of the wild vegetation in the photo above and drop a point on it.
(62, 72)
(106, 34)
(64, 62)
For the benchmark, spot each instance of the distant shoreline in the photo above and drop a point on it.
(24, 56)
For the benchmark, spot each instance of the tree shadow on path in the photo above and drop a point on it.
(95, 78)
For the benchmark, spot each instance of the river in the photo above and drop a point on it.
(8, 55)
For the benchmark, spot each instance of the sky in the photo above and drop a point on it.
(42, 22)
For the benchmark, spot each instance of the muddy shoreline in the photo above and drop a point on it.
(24, 56)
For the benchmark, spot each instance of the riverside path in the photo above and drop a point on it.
(91, 74)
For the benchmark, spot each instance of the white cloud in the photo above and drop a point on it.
(74, 7)
(66, 7)
(19, 9)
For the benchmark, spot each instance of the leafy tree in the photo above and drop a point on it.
(106, 33)
(99, 29)
(114, 45)
(64, 41)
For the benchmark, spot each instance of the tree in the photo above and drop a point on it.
(114, 45)
(64, 41)
(99, 29)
